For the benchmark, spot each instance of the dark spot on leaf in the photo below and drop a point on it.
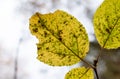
(50, 39)
(110, 28)
(71, 18)
(117, 37)
(38, 48)
(84, 43)
(35, 24)
(47, 48)
(74, 36)
(64, 22)
(107, 30)
(107, 16)
(43, 25)
(41, 34)
(45, 33)
(59, 35)
(38, 21)
(35, 30)
(62, 56)
(41, 54)
(68, 57)
(60, 38)
(80, 30)
(60, 32)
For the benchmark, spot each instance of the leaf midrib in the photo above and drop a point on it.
(85, 72)
(111, 32)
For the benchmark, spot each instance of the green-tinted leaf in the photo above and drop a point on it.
(107, 24)
(80, 73)
(62, 39)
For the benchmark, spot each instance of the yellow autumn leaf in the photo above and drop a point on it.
(107, 24)
(62, 38)
(80, 73)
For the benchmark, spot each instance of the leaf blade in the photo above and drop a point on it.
(80, 73)
(59, 34)
(107, 24)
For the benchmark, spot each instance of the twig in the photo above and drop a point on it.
(95, 70)
(95, 64)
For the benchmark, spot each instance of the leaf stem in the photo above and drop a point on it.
(95, 65)
(96, 62)
(95, 70)
(84, 73)
(92, 66)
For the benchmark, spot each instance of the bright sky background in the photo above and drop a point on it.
(9, 24)
(12, 29)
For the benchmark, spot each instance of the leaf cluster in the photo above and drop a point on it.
(63, 40)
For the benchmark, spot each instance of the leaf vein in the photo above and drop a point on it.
(111, 32)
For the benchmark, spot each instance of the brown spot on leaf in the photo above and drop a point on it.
(38, 21)
(45, 33)
(35, 30)
(41, 54)
(107, 30)
(38, 48)
(47, 48)
(60, 38)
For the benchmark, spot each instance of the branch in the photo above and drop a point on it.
(16, 60)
